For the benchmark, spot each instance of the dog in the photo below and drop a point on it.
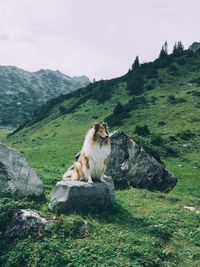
(91, 162)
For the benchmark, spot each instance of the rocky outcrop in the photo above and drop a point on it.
(16, 175)
(24, 223)
(130, 165)
(81, 196)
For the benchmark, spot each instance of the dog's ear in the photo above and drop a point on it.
(96, 126)
(105, 125)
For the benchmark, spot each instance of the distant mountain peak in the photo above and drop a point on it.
(31, 90)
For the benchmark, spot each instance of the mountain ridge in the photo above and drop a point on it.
(22, 92)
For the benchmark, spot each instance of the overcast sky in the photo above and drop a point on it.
(97, 38)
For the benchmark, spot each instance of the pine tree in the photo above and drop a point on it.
(174, 49)
(118, 109)
(178, 48)
(164, 50)
(136, 63)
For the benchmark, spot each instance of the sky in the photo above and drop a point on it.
(97, 38)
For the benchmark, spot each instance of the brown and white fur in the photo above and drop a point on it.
(92, 160)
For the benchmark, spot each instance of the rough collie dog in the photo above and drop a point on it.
(92, 160)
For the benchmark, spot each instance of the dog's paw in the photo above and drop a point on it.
(102, 180)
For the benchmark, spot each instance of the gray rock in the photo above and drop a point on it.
(24, 223)
(77, 195)
(16, 176)
(130, 165)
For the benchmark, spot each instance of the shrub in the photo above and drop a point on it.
(173, 69)
(173, 100)
(134, 103)
(153, 152)
(186, 135)
(135, 82)
(170, 152)
(161, 123)
(142, 130)
(181, 61)
(172, 138)
(149, 87)
(121, 112)
(157, 140)
(153, 100)
(62, 109)
(116, 119)
(196, 93)
(160, 80)
(118, 109)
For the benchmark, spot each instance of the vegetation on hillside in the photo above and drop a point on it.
(143, 228)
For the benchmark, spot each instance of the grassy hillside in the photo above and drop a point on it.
(170, 109)
(158, 105)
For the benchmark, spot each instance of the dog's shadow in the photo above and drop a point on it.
(115, 213)
(119, 216)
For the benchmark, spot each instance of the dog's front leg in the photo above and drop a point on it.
(102, 178)
(86, 170)
(103, 171)
(88, 176)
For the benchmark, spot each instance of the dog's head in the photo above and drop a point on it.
(101, 132)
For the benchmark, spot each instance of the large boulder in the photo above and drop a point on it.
(130, 165)
(16, 176)
(81, 196)
(24, 223)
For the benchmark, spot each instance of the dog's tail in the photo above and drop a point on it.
(68, 173)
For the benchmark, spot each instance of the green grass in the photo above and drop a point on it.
(188, 173)
(4, 132)
(143, 229)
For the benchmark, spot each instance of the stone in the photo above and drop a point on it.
(16, 175)
(24, 223)
(131, 166)
(70, 195)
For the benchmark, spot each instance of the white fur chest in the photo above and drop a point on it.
(97, 156)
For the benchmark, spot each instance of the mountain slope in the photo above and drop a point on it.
(144, 228)
(22, 92)
(167, 104)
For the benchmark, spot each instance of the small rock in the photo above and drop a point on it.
(24, 223)
(192, 209)
(198, 164)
